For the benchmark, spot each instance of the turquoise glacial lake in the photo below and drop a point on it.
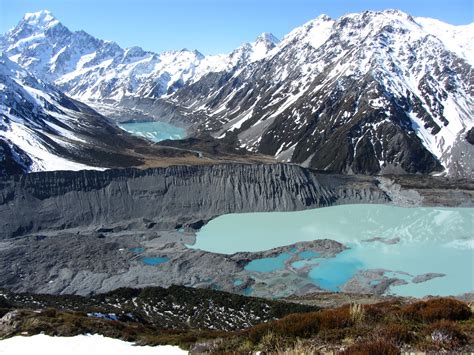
(154, 131)
(154, 260)
(431, 240)
(268, 264)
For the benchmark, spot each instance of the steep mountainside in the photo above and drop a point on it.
(90, 69)
(42, 129)
(371, 93)
(374, 92)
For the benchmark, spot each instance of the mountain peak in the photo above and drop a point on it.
(267, 37)
(395, 12)
(43, 18)
(323, 17)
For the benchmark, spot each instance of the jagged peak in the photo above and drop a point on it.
(370, 14)
(194, 52)
(134, 51)
(320, 19)
(198, 54)
(43, 18)
(323, 17)
(396, 12)
(267, 37)
(314, 32)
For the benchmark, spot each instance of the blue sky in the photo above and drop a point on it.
(211, 26)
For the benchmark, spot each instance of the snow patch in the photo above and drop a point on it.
(79, 345)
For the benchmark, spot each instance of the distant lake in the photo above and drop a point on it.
(154, 131)
(417, 241)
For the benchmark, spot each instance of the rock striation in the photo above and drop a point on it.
(167, 196)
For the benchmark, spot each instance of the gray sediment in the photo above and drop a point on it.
(168, 197)
(74, 232)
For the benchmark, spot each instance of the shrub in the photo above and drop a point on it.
(271, 342)
(375, 313)
(298, 348)
(299, 325)
(49, 312)
(397, 334)
(294, 325)
(257, 332)
(446, 334)
(336, 318)
(373, 348)
(437, 309)
(303, 325)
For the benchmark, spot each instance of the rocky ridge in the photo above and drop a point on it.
(368, 93)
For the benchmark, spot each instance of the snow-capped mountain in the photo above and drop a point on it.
(42, 129)
(373, 92)
(89, 69)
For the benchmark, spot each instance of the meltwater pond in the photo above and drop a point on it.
(154, 131)
(406, 242)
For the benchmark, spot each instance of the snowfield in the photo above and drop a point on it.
(79, 345)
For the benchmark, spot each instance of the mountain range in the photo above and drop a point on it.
(368, 93)
(90, 69)
(43, 129)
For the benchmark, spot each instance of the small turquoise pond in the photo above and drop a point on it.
(268, 264)
(248, 291)
(308, 254)
(137, 250)
(238, 282)
(154, 131)
(154, 260)
(332, 273)
(432, 239)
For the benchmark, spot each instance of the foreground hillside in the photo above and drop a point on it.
(176, 307)
(238, 324)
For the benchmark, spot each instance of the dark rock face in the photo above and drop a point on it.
(12, 159)
(166, 196)
(470, 136)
